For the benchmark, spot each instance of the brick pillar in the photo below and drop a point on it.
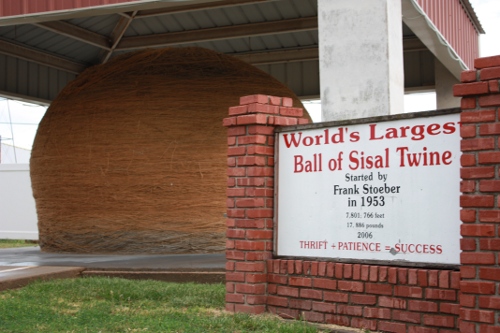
(480, 200)
(250, 197)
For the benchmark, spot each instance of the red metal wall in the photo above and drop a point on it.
(452, 21)
(24, 7)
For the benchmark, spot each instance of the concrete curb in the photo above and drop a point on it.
(17, 277)
(12, 277)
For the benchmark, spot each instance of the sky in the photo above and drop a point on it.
(488, 12)
(25, 117)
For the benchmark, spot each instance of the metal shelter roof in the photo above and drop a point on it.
(43, 48)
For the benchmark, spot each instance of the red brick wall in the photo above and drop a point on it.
(382, 298)
(480, 214)
(250, 196)
(375, 297)
(365, 296)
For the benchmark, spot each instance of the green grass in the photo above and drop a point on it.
(9, 243)
(118, 305)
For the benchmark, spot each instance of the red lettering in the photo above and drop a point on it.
(308, 141)
(360, 161)
(292, 140)
(403, 131)
(418, 248)
(296, 139)
(298, 166)
(372, 133)
(354, 137)
(433, 129)
(313, 245)
(359, 246)
(417, 132)
(449, 128)
(391, 133)
(339, 137)
(423, 158)
(447, 157)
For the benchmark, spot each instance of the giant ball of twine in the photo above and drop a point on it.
(131, 157)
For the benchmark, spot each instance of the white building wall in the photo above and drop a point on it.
(18, 219)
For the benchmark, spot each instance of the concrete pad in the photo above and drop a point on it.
(32, 256)
(20, 266)
(17, 277)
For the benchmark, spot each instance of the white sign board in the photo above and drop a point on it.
(385, 190)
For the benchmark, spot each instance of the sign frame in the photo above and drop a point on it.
(345, 123)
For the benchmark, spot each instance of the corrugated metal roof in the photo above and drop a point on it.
(55, 40)
(45, 40)
(278, 36)
(101, 24)
(28, 79)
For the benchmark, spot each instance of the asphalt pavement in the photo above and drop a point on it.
(19, 266)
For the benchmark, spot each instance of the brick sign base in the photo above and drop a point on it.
(374, 297)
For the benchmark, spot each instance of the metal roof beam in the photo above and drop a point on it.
(25, 98)
(117, 35)
(228, 32)
(413, 44)
(308, 53)
(40, 57)
(86, 36)
(274, 57)
(75, 32)
(188, 8)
